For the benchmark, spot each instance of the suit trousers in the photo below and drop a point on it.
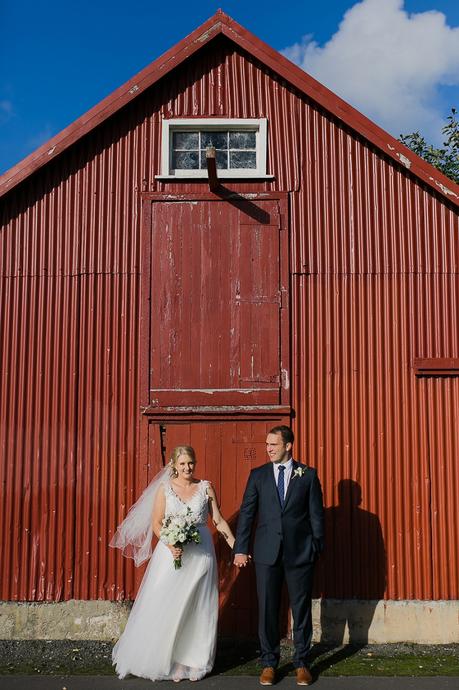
(270, 579)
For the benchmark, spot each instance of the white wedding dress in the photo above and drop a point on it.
(172, 629)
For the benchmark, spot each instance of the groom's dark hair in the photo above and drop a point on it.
(284, 431)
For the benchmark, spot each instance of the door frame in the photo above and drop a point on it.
(145, 300)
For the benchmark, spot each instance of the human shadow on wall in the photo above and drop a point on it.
(351, 575)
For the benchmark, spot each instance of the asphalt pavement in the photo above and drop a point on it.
(14, 682)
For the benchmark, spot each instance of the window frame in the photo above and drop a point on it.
(257, 125)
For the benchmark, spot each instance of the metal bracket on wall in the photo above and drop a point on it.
(436, 366)
(212, 168)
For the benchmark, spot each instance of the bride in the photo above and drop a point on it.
(172, 628)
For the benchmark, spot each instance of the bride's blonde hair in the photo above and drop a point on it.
(176, 453)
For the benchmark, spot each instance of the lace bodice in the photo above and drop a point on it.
(198, 504)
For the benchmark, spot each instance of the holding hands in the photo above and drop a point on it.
(241, 560)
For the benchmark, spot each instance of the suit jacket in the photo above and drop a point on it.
(298, 527)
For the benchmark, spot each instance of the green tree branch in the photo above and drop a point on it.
(446, 159)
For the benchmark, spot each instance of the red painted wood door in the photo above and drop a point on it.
(219, 303)
(226, 451)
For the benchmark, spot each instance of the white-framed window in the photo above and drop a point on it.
(240, 146)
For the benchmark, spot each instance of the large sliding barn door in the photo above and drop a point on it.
(219, 307)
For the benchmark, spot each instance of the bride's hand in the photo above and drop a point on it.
(176, 551)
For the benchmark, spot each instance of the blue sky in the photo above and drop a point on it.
(395, 60)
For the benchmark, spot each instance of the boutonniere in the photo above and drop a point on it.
(299, 471)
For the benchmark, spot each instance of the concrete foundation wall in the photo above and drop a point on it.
(379, 622)
(375, 622)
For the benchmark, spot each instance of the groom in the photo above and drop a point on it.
(286, 497)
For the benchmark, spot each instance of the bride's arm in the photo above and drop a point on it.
(218, 519)
(159, 510)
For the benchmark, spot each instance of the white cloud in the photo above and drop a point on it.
(388, 64)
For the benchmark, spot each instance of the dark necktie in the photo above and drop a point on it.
(280, 484)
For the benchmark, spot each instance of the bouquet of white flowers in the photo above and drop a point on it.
(178, 530)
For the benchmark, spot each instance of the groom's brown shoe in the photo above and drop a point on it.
(303, 676)
(268, 676)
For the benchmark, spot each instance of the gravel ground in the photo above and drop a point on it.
(49, 657)
(55, 656)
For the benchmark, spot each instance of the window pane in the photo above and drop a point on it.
(185, 160)
(235, 149)
(222, 159)
(185, 140)
(243, 159)
(217, 139)
(203, 160)
(242, 140)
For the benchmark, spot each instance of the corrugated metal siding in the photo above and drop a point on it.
(365, 241)
(69, 413)
(377, 286)
(357, 213)
(69, 419)
(107, 474)
(373, 428)
(442, 405)
(37, 423)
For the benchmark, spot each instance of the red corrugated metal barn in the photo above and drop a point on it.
(146, 301)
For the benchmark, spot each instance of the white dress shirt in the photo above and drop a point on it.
(287, 473)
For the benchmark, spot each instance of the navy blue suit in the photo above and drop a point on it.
(288, 540)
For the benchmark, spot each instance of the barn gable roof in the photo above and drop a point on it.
(222, 24)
